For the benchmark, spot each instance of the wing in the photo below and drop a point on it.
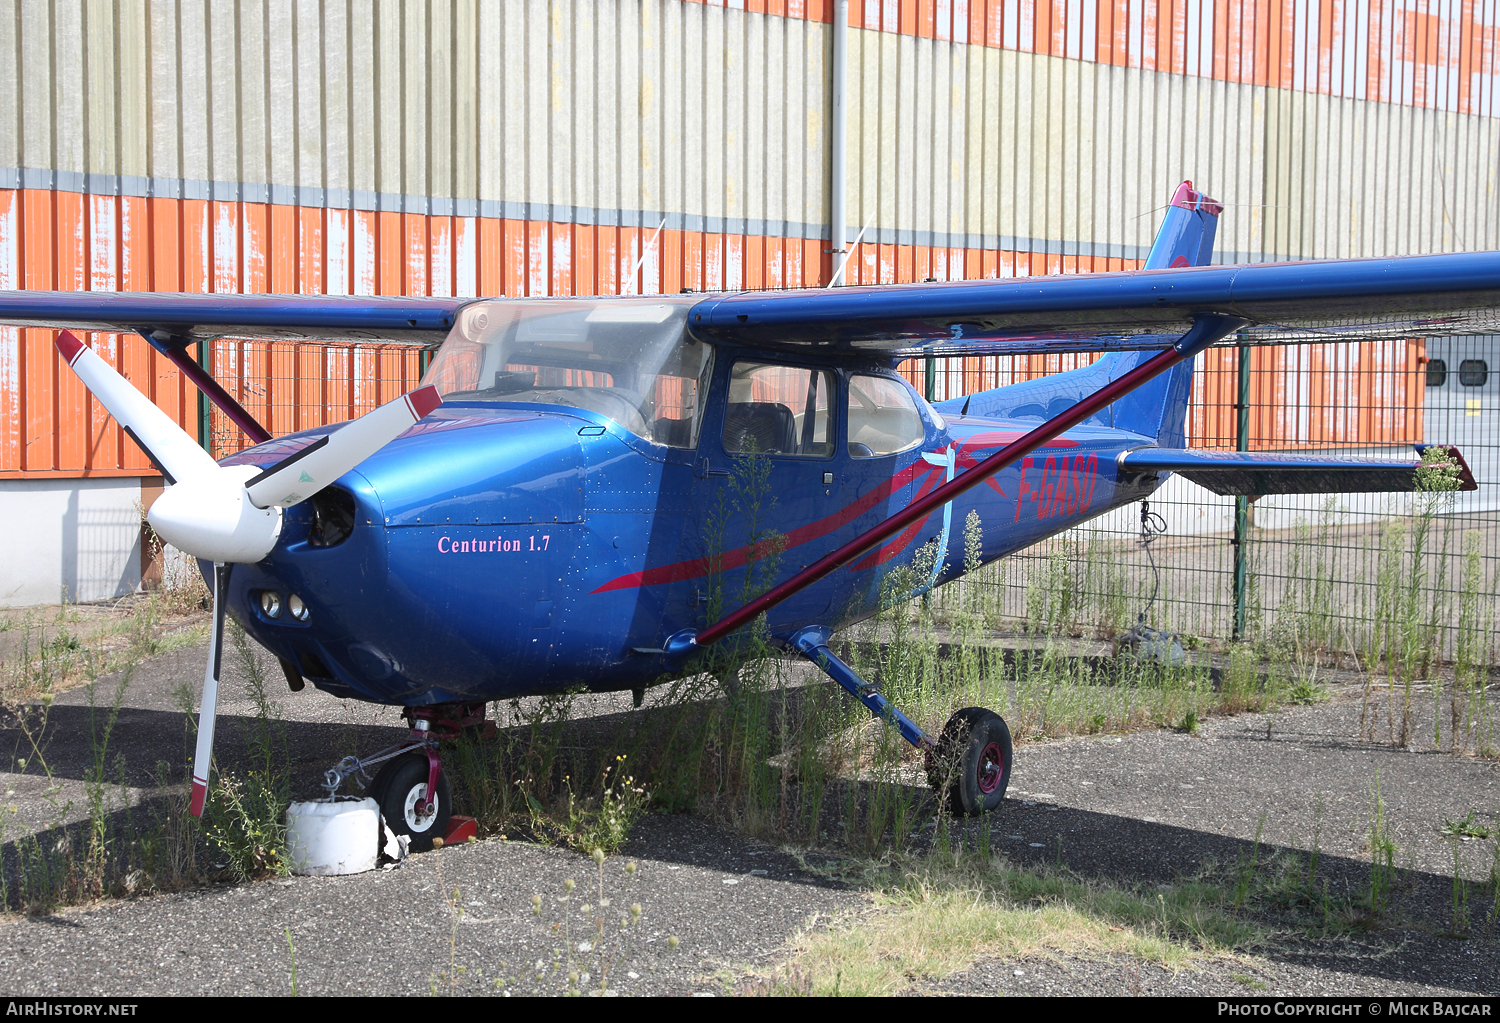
(1286, 303)
(173, 321)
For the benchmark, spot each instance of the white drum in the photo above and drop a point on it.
(339, 837)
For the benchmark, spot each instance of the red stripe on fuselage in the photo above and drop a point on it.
(740, 556)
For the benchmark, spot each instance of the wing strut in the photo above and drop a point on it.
(210, 387)
(1207, 329)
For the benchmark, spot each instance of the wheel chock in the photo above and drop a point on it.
(460, 829)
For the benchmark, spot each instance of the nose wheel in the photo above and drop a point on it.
(970, 764)
(401, 790)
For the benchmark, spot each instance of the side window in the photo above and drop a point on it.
(1437, 372)
(1473, 372)
(883, 418)
(779, 410)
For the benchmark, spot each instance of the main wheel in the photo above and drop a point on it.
(401, 790)
(970, 767)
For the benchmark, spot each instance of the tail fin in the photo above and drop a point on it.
(1186, 238)
(1157, 409)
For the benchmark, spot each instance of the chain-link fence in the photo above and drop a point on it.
(1351, 574)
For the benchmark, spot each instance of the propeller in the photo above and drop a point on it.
(230, 514)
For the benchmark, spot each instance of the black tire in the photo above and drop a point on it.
(398, 788)
(970, 767)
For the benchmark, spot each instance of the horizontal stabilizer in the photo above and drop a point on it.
(1232, 473)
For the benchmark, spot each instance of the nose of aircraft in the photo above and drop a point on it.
(468, 466)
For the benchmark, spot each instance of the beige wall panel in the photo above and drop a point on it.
(281, 36)
(336, 129)
(312, 54)
(437, 136)
(387, 16)
(652, 85)
(255, 69)
(466, 86)
(68, 103)
(580, 73)
(751, 160)
(511, 90)
(10, 93)
(98, 80)
(778, 110)
(364, 127)
(164, 157)
(415, 96)
(134, 74)
(735, 85)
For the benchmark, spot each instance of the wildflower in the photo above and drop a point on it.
(569, 885)
(630, 867)
(672, 942)
(599, 856)
(536, 905)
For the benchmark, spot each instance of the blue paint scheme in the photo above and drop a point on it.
(502, 549)
(1146, 309)
(175, 321)
(409, 610)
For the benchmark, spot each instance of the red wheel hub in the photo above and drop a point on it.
(990, 768)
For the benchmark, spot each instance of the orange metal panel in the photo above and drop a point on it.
(310, 264)
(986, 23)
(692, 260)
(513, 258)
(905, 264)
(562, 260)
(338, 251)
(907, 19)
(440, 255)
(713, 262)
(365, 236)
(390, 268)
(671, 262)
(922, 263)
(415, 278)
(755, 258)
(309, 392)
(282, 255)
(585, 259)
(924, 18)
(536, 257)
(224, 247)
(490, 277)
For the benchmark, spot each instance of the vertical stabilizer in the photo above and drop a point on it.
(1186, 238)
(1156, 409)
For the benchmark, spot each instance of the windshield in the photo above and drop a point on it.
(628, 359)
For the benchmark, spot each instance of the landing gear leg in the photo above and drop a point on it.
(969, 764)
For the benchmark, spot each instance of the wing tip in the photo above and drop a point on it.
(69, 346)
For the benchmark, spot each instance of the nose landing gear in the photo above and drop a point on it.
(411, 788)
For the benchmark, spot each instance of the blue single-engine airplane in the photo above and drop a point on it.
(536, 516)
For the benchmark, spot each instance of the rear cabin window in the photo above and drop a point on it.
(1473, 372)
(883, 417)
(1437, 372)
(779, 410)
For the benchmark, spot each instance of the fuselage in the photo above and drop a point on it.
(503, 549)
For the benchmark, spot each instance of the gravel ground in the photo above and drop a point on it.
(1139, 809)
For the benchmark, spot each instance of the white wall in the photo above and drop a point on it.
(69, 539)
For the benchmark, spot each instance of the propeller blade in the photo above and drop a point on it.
(203, 757)
(303, 474)
(170, 449)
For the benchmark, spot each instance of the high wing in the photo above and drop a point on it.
(1284, 303)
(173, 321)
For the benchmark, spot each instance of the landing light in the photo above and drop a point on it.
(270, 603)
(298, 609)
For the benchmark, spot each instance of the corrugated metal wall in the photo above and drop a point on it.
(532, 146)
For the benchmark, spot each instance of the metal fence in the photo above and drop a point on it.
(296, 385)
(1349, 574)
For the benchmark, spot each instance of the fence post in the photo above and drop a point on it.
(1241, 503)
(205, 410)
(931, 378)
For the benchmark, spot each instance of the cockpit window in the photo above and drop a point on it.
(883, 418)
(628, 359)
